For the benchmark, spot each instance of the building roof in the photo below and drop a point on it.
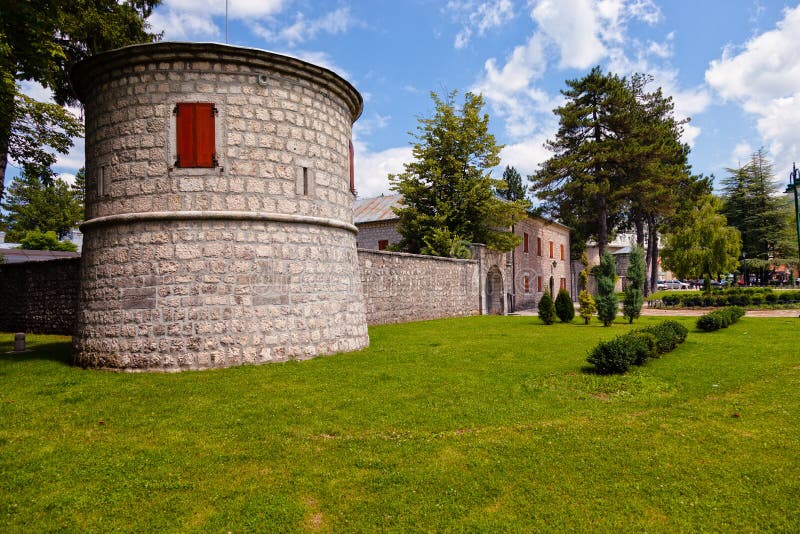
(376, 209)
(18, 255)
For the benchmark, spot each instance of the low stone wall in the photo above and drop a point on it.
(400, 287)
(39, 297)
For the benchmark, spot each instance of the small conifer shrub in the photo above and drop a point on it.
(565, 310)
(547, 310)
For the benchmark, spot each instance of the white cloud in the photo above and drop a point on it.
(741, 154)
(304, 29)
(178, 25)
(368, 125)
(193, 19)
(573, 26)
(763, 77)
(478, 17)
(68, 178)
(372, 168)
(526, 155)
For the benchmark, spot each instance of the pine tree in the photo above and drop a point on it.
(634, 296)
(512, 189)
(565, 310)
(448, 185)
(753, 205)
(578, 183)
(607, 303)
(547, 310)
(31, 205)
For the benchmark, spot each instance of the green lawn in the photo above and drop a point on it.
(477, 424)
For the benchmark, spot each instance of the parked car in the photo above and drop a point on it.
(719, 283)
(672, 284)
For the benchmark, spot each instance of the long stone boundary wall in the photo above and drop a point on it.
(401, 287)
(39, 297)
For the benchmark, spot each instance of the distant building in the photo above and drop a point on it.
(540, 263)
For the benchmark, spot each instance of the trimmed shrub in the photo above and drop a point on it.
(643, 345)
(636, 347)
(547, 310)
(669, 334)
(614, 356)
(720, 318)
(565, 310)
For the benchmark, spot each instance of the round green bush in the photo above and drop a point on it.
(547, 310)
(614, 356)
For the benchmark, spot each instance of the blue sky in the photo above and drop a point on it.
(731, 65)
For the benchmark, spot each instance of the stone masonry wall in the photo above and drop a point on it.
(39, 297)
(536, 264)
(402, 287)
(369, 234)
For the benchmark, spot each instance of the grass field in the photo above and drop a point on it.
(477, 424)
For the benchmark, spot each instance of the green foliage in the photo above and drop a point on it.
(607, 303)
(636, 347)
(36, 240)
(565, 309)
(613, 356)
(669, 334)
(40, 131)
(583, 276)
(732, 296)
(753, 205)
(634, 293)
(718, 319)
(547, 310)
(699, 242)
(41, 41)
(448, 185)
(441, 242)
(511, 188)
(32, 205)
(577, 183)
(587, 306)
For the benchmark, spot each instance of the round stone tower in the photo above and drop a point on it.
(219, 223)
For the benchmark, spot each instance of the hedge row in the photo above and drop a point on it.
(720, 318)
(636, 347)
(733, 298)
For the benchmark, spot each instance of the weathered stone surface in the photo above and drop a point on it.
(39, 297)
(189, 268)
(407, 287)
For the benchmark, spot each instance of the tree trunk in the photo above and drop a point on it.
(639, 223)
(653, 247)
(602, 229)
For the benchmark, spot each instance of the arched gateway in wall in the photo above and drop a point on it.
(218, 209)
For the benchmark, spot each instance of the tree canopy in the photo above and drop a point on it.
(512, 188)
(32, 205)
(40, 41)
(699, 242)
(754, 206)
(448, 192)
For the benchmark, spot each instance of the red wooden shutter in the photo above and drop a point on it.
(196, 135)
(539, 284)
(383, 244)
(562, 251)
(551, 249)
(352, 169)
(525, 243)
(539, 246)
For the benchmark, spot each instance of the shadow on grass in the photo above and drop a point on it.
(55, 352)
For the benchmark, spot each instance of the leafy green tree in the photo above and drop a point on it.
(448, 185)
(699, 242)
(547, 310)
(578, 184)
(634, 296)
(32, 205)
(753, 205)
(36, 240)
(40, 40)
(512, 189)
(565, 310)
(607, 303)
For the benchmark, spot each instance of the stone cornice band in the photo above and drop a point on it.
(84, 74)
(255, 216)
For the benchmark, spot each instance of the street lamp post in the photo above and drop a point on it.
(794, 184)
